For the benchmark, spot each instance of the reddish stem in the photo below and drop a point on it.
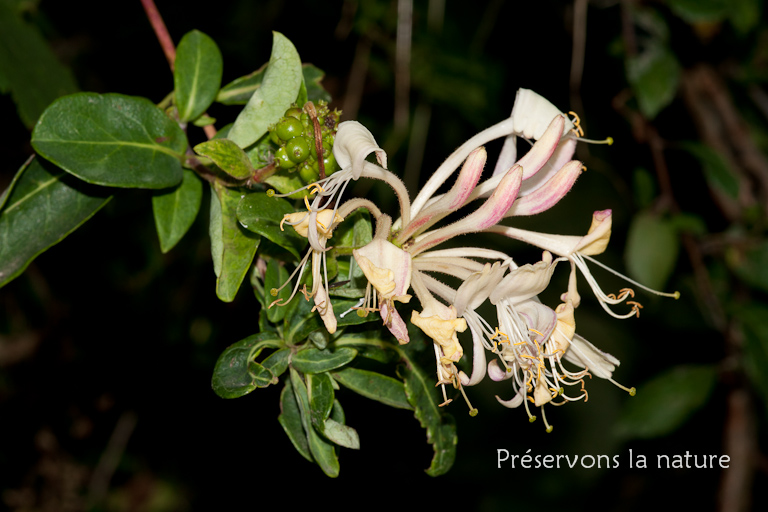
(158, 25)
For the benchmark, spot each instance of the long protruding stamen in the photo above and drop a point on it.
(674, 295)
(546, 424)
(632, 391)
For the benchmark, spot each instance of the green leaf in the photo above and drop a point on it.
(232, 247)
(313, 360)
(441, 430)
(29, 70)
(320, 393)
(665, 402)
(375, 386)
(277, 362)
(112, 140)
(652, 249)
(175, 210)
(300, 320)
(744, 14)
(236, 373)
(312, 81)
(290, 420)
(277, 92)
(697, 11)
(275, 277)
(716, 170)
(750, 265)
(341, 435)
(262, 214)
(44, 205)
(240, 90)
(369, 345)
(654, 76)
(196, 75)
(752, 317)
(228, 156)
(322, 451)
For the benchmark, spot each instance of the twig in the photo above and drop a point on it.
(99, 485)
(161, 31)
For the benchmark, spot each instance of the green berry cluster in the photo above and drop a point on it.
(294, 134)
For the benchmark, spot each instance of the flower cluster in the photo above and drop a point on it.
(529, 341)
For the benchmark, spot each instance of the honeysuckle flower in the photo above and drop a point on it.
(529, 341)
(323, 222)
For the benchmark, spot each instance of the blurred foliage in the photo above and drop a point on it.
(105, 325)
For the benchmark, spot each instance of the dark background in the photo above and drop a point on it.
(105, 337)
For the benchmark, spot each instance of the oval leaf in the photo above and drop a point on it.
(175, 210)
(112, 140)
(263, 215)
(44, 206)
(313, 360)
(320, 393)
(228, 156)
(290, 420)
(277, 92)
(666, 401)
(652, 249)
(196, 75)
(236, 374)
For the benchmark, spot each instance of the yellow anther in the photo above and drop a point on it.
(306, 203)
(273, 292)
(271, 192)
(537, 332)
(315, 188)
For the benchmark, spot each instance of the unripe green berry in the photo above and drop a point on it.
(297, 149)
(293, 112)
(308, 174)
(288, 128)
(281, 157)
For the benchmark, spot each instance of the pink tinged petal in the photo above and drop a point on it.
(598, 235)
(508, 155)
(540, 317)
(532, 114)
(453, 199)
(562, 155)
(353, 144)
(546, 196)
(532, 162)
(489, 213)
(496, 373)
(525, 282)
(515, 401)
(562, 245)
(394, 323)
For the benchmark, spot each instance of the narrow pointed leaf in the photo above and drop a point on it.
(112, 140)
(313, 360)
(322, 451)
(44, 205)
(290, 420)
(232, 247)
(197, 74)
(320, 392)
(262, 214)
(375, 386)
(441, 430)
(277, 92)
(175, 210)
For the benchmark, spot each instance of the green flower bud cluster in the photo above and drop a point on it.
(294, 134)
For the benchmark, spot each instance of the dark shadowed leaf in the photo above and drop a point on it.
(652, 249)
(44, 205)
(176, 209)
(232, 247)
(236, 374)
(375, 386)
(665, 402)
(290, 419)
